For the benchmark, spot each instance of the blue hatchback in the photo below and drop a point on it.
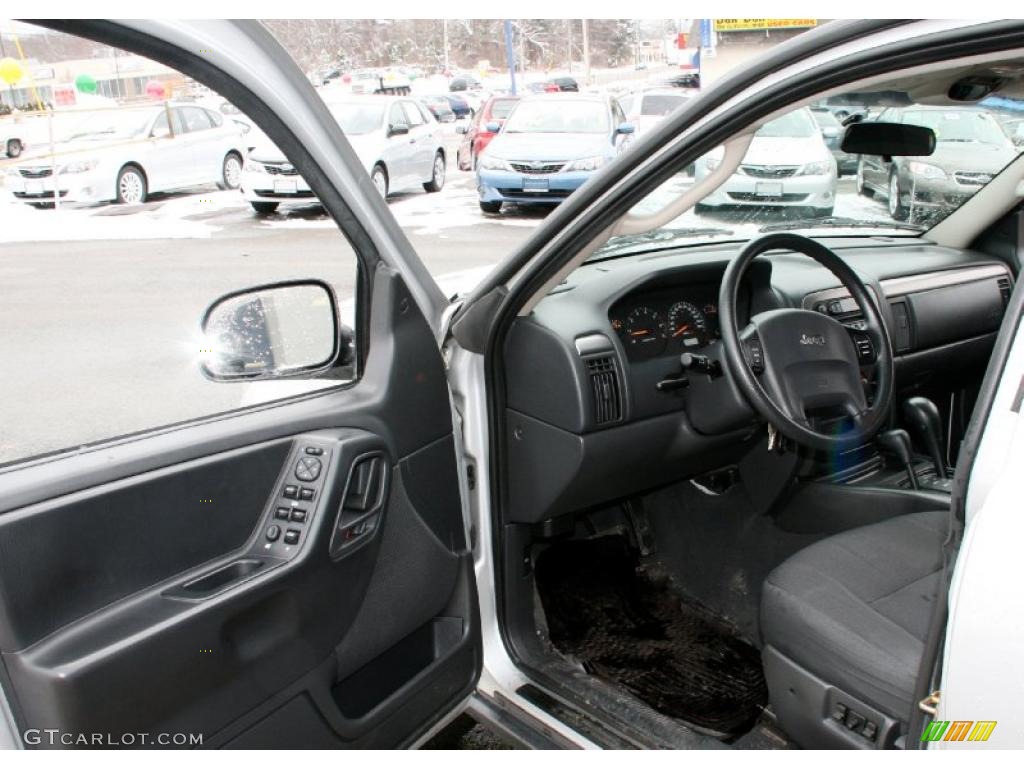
(548, 147)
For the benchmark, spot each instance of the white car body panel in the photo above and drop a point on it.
(983, 672)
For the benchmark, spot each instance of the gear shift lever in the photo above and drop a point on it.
(923, 418)
(897, 442)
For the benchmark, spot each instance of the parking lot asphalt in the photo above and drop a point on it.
(101, 305)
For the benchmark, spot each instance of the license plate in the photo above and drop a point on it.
(286, 186)
(768, 189)
(33, 187)
(529, 183)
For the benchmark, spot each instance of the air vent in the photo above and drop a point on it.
(1005, 289)
(604, 385)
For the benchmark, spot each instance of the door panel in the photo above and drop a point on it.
(143, 596)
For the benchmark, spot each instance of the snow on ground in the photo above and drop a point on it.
(180, 216)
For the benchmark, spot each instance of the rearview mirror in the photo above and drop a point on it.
(398, 129)
(625, 128)
(888, 140)
(271, 331)
(493, 127)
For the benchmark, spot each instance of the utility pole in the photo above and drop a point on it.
(569, 24)
(510, 55)
(586, 52)
(522, 48)
(444, 42)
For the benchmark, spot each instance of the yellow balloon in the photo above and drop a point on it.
(10, 71)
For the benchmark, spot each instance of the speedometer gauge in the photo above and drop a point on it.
(687, 326)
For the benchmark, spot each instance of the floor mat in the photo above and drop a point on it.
(629, 626)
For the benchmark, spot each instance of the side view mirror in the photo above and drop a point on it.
(398, 129)
(271, 331)
(243, 127)
(830, 132)
(626, 128)
(461, 128)
(493, 126)
(160, 133)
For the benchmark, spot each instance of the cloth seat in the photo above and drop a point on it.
(854, 609)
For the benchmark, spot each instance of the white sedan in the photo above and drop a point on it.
(127, 154)
(398, 141)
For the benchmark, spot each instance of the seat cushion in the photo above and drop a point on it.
(854, 608)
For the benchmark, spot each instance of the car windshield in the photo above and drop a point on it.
(959, 125)
(113, 124)
(793, 125)
(791, 180)
(558, 116)
(660, 104)
(356, 119)
(502, 108)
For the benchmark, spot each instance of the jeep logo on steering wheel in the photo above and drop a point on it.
(816, 340)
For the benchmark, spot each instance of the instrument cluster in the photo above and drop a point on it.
(666, 322)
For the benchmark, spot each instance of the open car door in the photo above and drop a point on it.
(289, 574)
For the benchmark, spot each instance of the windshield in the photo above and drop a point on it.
(558, 116)
(961, 125)
(660, 104)
(356, 119)
(502, 108)
(113, 124)
(794, 125)
(809, 186)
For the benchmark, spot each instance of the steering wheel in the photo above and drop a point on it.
(792, 362)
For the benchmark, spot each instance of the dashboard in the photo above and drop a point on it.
(599, 405)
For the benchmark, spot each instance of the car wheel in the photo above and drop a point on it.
(862, 188)
(14, 147)
(896, 208)
(379, 177)
(264, 208)
(437, 178)
(490, 207)
(131, 185)
(231, 172)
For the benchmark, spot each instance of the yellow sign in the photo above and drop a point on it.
(737, 25)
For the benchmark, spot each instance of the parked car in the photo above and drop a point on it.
(476, 135)
(397, 140)
(548, 147)
(971, 148)
(787, 165)
(832, 133)
(684, 80)
(11, 142)
(440, 108)
(564, 83)
(460, 106)
(464, 83)
(647, 108)
(127, 154)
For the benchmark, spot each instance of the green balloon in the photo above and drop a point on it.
(85, 84)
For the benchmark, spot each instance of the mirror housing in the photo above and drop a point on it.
(888, 140)
(272, 331)
(398, 129)
(493, 127)
(625, 128)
